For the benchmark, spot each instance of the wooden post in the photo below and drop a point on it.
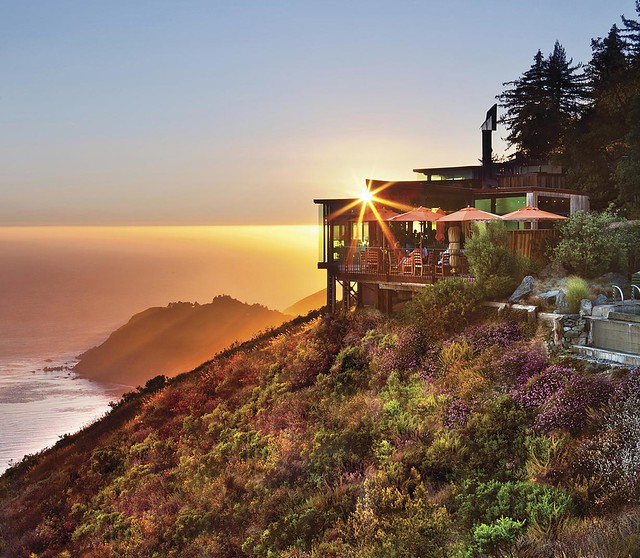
(331, 292)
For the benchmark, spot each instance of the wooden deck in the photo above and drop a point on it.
(375, 265)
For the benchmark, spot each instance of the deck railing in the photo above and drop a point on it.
(395, 266)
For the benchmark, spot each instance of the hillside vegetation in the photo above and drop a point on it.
(350, 435)
(174, 339)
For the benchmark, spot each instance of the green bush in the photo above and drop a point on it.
(537, 504)
(493, 538)
(388, 521)
(442, 309)
(590, 244)
(577, 289)
(489, 255)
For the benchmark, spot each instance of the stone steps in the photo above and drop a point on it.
(626, 359)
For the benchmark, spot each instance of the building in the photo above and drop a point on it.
(357, 245)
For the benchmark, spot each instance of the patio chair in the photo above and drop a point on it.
(441, 268)
(372, 261)
(416, 260)
(407, 264)
(395, 259)
(428, 266)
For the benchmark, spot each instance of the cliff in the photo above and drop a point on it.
(173, 339)
(349, 436)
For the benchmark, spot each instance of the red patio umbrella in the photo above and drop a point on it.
(529, 213)
(468, 214)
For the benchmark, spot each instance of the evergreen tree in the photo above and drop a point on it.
(608, 70)
(628, 167)
(631, 33)
(597, 142)
(542, 105)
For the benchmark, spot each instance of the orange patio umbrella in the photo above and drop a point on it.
(468, 214)
(529, 213)
(421, 214)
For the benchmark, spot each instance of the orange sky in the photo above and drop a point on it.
(97, 277)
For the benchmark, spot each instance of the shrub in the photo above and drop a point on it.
(577, 289)
(493, 538)
(589, 245)
(456, 413)
(501, 334)
(535, 504)
(527, 360)
(613, 455)
(454, 355)
(442, 309)
(496, 267)
(388, 521)
(568, 408)
(495, 439)
(540, 387)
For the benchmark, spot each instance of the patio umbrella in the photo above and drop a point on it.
(421, 214)
(529, 213)
(468, 214)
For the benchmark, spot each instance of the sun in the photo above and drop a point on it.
(366, 196)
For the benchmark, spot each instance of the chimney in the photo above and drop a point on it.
(488, 127)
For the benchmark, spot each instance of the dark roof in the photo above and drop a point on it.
(449, 186)
(436, 170)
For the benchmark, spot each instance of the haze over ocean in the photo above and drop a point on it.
(64, 289)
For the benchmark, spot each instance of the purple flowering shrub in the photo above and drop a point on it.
(561, 397)
(456, 413)
(404, 350)
(513, 365)
(493, 335)
(521, 362)
(613, 455)
(533, 394)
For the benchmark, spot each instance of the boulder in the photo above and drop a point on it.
(600, 300)
(585, 307)
(562, 304)
(549, 295)
(524, 289)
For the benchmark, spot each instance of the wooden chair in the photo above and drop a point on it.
(395, 259)
(407, 264)
(416, 261)
(362, 262)
(442, 268)
(372, 260)
(428, 266)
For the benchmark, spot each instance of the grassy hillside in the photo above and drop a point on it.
(174, 339)
(350, 435)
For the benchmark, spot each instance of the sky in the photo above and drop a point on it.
(242, 112)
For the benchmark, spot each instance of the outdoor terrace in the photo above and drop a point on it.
(382, 265)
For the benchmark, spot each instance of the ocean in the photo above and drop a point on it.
(64, 289)
(41, 400)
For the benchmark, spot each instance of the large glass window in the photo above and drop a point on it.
(484, 205)
(507, 205)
